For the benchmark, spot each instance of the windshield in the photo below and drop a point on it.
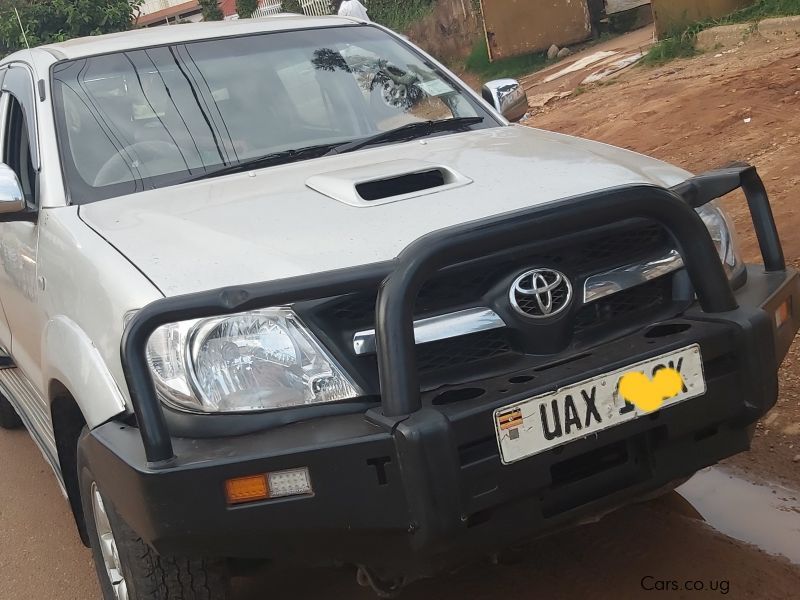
(149, 118)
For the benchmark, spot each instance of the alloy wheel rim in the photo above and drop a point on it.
(108, 546)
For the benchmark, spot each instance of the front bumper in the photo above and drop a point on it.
(432, 491)
(415, 485)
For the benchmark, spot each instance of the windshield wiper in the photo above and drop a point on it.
(408, 132)
(268, 160)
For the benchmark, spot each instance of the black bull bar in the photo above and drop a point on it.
(400, 280)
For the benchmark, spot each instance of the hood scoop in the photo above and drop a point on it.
(386, 182)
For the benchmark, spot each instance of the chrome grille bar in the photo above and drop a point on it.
(476, 320)
(442, 327)
(624, 278)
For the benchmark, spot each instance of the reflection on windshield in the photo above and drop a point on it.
(147, 118)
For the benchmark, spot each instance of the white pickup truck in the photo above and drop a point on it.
(286, 290)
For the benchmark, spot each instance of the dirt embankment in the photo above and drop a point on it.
(703, 113)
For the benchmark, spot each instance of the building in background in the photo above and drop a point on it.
(618, 6)
(164, 12)
(514, 28)
(228, 8)
(167, 12)
(674, 15)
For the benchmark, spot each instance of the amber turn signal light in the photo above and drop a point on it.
(246, 489)
(267, 486)
(783, 313)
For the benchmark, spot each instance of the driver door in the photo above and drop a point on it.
(19, 288)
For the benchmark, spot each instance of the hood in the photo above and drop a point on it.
(300, 218)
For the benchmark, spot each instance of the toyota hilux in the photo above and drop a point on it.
(287, 291)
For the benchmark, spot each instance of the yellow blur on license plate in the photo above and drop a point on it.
(582, 409)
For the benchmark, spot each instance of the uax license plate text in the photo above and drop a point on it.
(577, 411)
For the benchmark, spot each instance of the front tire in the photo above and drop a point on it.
(9, 419)
(129, 569)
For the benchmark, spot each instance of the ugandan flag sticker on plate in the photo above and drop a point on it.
(511, 420)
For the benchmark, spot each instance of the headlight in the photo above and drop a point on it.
(252, 361)
(724, 236)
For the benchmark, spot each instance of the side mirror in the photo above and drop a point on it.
(507, 96)
(12, 200)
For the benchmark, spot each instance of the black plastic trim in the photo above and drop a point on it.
(706, 187)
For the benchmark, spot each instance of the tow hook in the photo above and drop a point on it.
(384, 589)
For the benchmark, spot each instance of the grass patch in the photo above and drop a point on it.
(399, 16)
(765, 9)
(680, 44)
(478, 63)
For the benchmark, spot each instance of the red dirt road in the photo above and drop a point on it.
(41, 557)
(703, 113)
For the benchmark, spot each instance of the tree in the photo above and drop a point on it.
(211, 10)
(292, 6)
(47, 21)
(246, 8)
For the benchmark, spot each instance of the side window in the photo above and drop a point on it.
(17, 149)
(20, 149)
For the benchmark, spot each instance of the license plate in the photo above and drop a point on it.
(581, 410)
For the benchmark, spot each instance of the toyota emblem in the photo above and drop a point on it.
(541, 293)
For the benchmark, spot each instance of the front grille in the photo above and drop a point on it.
(457, 352)
(352, 310)
(609, 249)
(486, 282)
(622, 305)
(446, 291)
(461, 286)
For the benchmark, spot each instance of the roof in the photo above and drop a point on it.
(187, 32)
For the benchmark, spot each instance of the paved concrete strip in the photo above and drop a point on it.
(724, 36)
(614, 68)
(581, 64)
(728, 36)
(781, 28)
